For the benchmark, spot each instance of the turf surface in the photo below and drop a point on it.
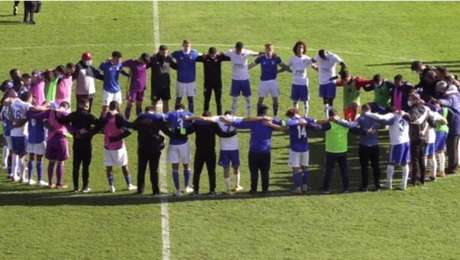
(370, 37)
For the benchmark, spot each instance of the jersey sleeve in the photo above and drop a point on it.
(258, 60)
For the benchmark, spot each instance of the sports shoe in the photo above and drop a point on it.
(51, 186)
(304, 188)
(297, 191)
(61, 186)
(31, 182)
(112, 189)
(76, 190)
(188, 189)
(42, 183)
(178, 193)
(212, 194)
(86, 190)
(237, 188)
(132, 187)
(16, 178)
(15, 10)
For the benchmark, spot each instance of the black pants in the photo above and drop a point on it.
(452, 152)
(208, 88)
(417, 154)
(152, 158)
(86, 97)
(209, 159)
(29, 9)
(259, 162)
(369, 154)
(331, 159)
(82, 152)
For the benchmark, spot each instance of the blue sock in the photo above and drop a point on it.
(110, 179)
(175, 174)
(297, 179)
(128, 180)
(39, 170)
(305, 177)
(187, 174)
(30, 169)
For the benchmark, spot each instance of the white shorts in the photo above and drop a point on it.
(116, 157)
(185, 89)
(269, 87)
(8, 143)
(109, 97)
(39, 148)
(179, 153)
(297, 159)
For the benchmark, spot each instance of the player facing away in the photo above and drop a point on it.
(240, 75)
(351, 93)
(37, 88)
(137, 69)
(381, 89)
(36, 148)
(115, 153)
(160, 65)
(64, 84)
(298, 65)
(269, 85)
(326, 62)
(297, 126)
(179, 149)
(441, 130)
(112, 90)
(212, 63)
(186, 73)
(398, 122)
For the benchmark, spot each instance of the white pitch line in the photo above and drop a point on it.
(166, 243)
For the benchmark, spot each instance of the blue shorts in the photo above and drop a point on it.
(299, 92)
(378, 109)
(227, 157)
(440, 142)
(429, 149)
(327, 90)
(240, 86)
(400, 154)
(18, 145)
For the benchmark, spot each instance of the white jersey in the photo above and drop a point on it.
(228, 143)
(19, 110)
(399, 127)
(239, 63)
(299, 66)
(326, 68)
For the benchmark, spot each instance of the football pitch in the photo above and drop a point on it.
(379, 37)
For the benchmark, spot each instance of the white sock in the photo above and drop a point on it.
(326, 110)
(5, 154)
(458, 151)
(248, 105)
(237, 179)
(434, 166)
(390, 172)
(234, 105)
(228, 183)
(306, 107)
(14, 165)
(442, 161)
(22, 169)
(405, 175)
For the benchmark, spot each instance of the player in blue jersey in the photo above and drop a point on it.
(179, 149)
(186, 73)
(298, 147)
(112, 89)
(36, 147)
(269, 63)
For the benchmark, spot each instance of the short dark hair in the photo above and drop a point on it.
(113, 105)
(25, 96)
(179, 106)
(149, 108)
(186, 42)
(145, 57)
(415, 65)
(60, 69)
(116, 54)
(365, 107)
(228, 112)
(332, 112)
(262, 110)
(212, 50)
(377, 77)
(300, 43)
(239, 45)
(207, 113)
(322, 54)
(291, 112)
(398, 77)
(163, 47)
(344, 74)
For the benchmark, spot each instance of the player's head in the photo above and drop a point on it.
(83, 104)
(186, 45)
(114, 106)
(64, 105)
(116, 57)
(10, 93)
(300, 47)
(49, 75)
(239, 47)
(441, 87)
(365, 108)
(398, 80)
(206, 113)
(332, 112)
(292, 112)
(60, 71)
(344, 75)
(417, 66)
(26, 97)
(414, 99)
(163, 50)
(262, 110)
(149, 109)
(212, 51)
(87, 58)
(69, 68)
(26, 78)
(179, 106)
(228, 113)
(322, 54)
(144, 58)
(269, 49)
(36, 74)
(15, 74)
(377, 80)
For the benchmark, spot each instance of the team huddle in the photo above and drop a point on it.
(423, 120)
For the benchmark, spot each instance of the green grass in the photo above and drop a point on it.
(370, 37)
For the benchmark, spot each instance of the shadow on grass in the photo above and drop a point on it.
(447, 63)
(7, 22)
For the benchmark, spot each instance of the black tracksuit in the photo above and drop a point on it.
(212, 79)
(82, 148)
(418, 141)
(160, 78)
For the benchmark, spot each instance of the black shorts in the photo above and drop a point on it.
(161, 93)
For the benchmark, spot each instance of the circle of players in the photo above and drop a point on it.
(423, 120)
